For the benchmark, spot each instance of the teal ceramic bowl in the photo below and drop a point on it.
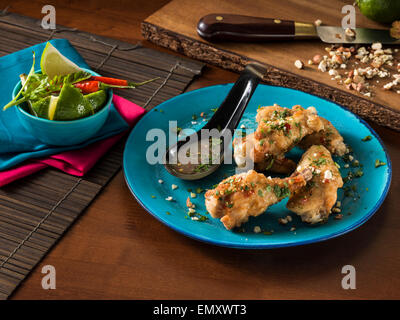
(63, 133)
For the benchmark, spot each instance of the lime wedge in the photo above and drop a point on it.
(53, 63)
(45, 108)
(52, 106)
(97, 99)
(71, 104)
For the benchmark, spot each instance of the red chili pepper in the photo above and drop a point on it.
(91, 85)
(113, 81)
(88, 86)
(287, 126)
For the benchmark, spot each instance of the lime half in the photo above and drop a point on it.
(383, 11)
(46, 107)
(53, 63)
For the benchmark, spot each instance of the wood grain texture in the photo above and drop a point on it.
(174, 27)
(118, 251)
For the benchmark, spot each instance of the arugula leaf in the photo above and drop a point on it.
(70, 78)
(15, 101)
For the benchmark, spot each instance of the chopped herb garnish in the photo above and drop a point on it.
(319, 162)
(270, 164)
(202, 167)
(367, 138)
(358, 173)
(379, 163)
(281, 192)
(260, 193)
(355, 163)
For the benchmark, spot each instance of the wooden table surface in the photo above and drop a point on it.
(117, 250)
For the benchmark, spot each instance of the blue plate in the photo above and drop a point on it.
(361, 197)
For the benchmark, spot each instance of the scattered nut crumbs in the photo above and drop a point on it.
(189, 203)
(395, 30)
(193, 195)
(257, 229)
(282, 221)
(160, 181)
(299, 64)
(349, 33)
(317, 22)
(169, 198)
(338, 216)
(369, 65)
(292, 228)
(174, 186)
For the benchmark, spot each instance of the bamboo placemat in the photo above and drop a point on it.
(36, 211)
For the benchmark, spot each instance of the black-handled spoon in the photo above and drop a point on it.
(225, 120)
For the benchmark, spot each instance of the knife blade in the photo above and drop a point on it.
(240, 28)
(362, 35)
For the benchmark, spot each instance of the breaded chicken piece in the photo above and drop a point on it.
(313, 203)
(280, 129)
(329, 137)
(274, 164)
(247, 194)
(325, 133)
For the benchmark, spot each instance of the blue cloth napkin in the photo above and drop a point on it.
(16, 144)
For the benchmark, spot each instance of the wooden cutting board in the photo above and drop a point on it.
(174, 27)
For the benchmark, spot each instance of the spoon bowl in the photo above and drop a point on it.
(222, 125)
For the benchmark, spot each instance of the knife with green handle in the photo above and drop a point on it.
(230, 27)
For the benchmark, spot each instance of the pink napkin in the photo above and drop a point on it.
(77, 162)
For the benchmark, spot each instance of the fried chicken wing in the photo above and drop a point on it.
(247, 194)
(279, 130)
(313, 202)
(276, 164)
(329, 137)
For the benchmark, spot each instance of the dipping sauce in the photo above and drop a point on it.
(197, 157)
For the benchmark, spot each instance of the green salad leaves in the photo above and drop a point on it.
(38, 86)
